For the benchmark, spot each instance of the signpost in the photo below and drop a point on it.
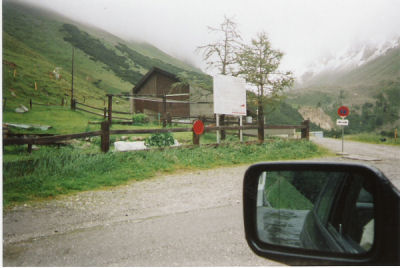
(198, 129)
(343, 112)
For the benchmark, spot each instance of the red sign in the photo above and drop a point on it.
(343, 111)
(198, 127)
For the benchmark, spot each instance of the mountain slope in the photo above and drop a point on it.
(356, 64)
(371, 90)
(37, 42)
(385, 67)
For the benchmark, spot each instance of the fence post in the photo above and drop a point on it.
(30, 104)
(222, 123)
(169, 119)
(105, 136)
(109, 107)
(305, 131)
(4, 103)
(29, 148)
(73, 104)
(196, 138)
(164, 121)
(105, 112)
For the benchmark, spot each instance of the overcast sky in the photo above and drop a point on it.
(304, 30)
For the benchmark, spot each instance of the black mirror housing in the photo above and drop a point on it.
(386, 247)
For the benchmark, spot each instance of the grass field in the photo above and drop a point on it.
(50, 172)
(373, 138)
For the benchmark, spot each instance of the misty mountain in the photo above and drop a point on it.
(363, 61)
(37, 43)
(367, 80)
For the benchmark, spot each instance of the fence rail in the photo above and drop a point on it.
(106, 112)
(80, 109)
(96, 108)
(50, 139)
(118, 112)
(105, 133)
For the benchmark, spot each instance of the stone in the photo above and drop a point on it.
(35, 148)
(24, 108)
(123, 146)
(19, 110)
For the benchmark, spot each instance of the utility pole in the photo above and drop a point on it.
(72, 82)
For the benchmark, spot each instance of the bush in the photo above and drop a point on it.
(140, 119)
(160, 140)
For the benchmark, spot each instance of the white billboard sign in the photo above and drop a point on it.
(229, 95)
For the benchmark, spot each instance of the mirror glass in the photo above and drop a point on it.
(320, 210)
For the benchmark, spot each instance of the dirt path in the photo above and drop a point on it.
(184, 219)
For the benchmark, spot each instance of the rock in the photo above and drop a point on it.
(123, 146)
(124, 138)
(13, 94)
(176, 144)
(26, 126)
(137, 138)
(86, 145)
(21, 109)
(35, 148)
(24, 108)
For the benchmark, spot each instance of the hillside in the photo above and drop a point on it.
(37, 47)
(371, 90)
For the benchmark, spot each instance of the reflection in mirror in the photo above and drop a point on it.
(320, 210)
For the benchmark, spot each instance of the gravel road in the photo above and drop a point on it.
(182, 219)
(384, 157)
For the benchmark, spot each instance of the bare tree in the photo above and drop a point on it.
(221, 54)
(258, 64)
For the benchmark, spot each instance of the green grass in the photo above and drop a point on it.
(51, 172)
(282, 194)
(61, 119)
(373, 138)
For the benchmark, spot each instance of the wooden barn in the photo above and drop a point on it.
(182, 101)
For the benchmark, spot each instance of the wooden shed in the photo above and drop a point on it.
(151, 89)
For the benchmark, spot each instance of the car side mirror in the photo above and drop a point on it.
(306, 213)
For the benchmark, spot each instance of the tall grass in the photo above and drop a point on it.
(52, 172)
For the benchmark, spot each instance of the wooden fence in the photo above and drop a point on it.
(105, 133)
(106, 113)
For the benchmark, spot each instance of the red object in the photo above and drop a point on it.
(343, 111)
(198, 127)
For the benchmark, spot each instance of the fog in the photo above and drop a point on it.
(305, 30)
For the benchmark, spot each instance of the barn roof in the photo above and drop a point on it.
(153, 70)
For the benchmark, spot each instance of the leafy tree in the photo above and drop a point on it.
(258, 64)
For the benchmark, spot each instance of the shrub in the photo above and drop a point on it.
(160, 140)
(140, 119)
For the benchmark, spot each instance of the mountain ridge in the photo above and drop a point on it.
(338, 67)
